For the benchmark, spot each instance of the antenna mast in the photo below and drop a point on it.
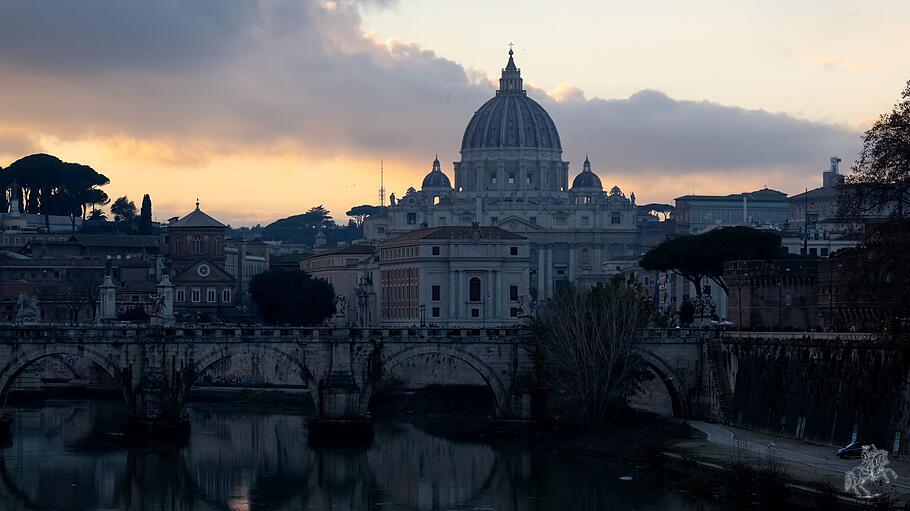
(381, 185)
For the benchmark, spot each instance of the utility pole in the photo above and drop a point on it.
(381, 185)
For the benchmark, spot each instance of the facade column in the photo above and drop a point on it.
(490, 299)
(452, 294)
(461, 295)
(498, 297)
(572, 262)
(549, 266)
(541, 275)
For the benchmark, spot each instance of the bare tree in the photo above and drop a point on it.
(587, 348)
(81, 289)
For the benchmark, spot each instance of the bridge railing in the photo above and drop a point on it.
(123, 333)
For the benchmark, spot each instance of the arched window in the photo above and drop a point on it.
(474, 289)
(587, 199)
(197, 244)
(585, 257)
(435, 200)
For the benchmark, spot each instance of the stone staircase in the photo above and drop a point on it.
(719, 380)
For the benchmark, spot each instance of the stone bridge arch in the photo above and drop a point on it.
(489, 376)
(674, 385)
(295, 363)
(19, 363)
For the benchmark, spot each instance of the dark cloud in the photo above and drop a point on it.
(89, 36)
(651, 131)
(231, 76)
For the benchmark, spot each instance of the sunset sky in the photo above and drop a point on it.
(264, 109)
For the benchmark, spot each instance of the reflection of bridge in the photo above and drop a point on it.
(156, 367)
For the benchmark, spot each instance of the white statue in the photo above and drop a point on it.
(27, 308)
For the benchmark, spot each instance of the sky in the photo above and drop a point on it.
(264, 109)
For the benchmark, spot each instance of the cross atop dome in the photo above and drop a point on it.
(510, 82)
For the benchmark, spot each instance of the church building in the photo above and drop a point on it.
(512, 175)
(202, 287)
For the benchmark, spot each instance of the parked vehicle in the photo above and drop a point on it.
(852, 450)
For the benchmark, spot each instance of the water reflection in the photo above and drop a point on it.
(63, 456)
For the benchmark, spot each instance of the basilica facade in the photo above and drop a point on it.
(512, 175)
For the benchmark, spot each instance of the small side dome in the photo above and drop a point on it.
(587, 178)
(436, 179)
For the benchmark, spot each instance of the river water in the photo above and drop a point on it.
(64, 456)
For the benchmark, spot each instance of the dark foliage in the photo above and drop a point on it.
(133, 314)
(124, 210)
(880, 182)
(696, 257)
(292, 297)
(46, 185)
(145, 215)
(586, 349)
(304, 227)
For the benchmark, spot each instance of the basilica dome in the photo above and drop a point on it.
(587, 178)
(511, 119)
(436, 179)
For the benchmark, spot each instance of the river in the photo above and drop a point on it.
(65, 455)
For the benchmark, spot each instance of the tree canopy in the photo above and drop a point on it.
(124, 210)
(587, 348)
(145, 215)
(359, 213)
(50, 186)
(303, 228)
(880, 182)
(696, 257)
(292, 297)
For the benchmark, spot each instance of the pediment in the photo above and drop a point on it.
(517, 224)
(216, 274)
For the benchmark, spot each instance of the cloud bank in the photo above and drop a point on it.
(213, 77)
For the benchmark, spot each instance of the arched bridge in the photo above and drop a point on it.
(156, 367)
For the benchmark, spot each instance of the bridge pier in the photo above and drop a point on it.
(340, 414)
(156, 406)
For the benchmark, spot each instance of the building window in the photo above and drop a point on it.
(380, 229)
(513, 312)
(436, 292)
(584, 220)
(210, 295)
(533, 220)
(824, 251)
(178, 246)
(475, 313)
(585, 257)
(494, 219)
(196, 295)
(511, 179)
(615, 218)
(492, 179)
(435, 312)
(412, 218)
(197, 244)
(474, 289)
(435, 251)
(226, 295)
(513, 293)
(180, 295)
(134, 298)
(513, 251)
